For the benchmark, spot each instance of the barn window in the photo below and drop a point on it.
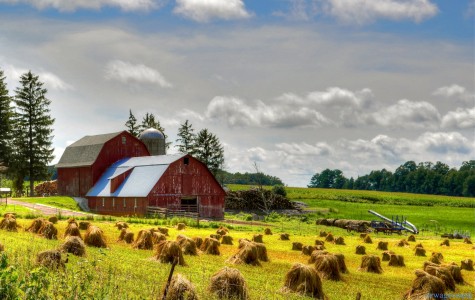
(186, 160)
(124, 203)
(113, 202)
(103, 202)
(135, 202)
(124, 139)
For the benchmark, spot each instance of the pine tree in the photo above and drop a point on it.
(5, 124)
(149, 121)
(186, 138)
(32, 131)
(209, 150)
(132, 126)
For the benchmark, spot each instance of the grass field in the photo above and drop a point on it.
(56, 201)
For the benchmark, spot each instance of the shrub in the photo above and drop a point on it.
(279, 190)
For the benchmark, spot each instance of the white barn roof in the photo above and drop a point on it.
(145, 173)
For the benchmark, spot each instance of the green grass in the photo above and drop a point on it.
(17, 209)
(55, 201)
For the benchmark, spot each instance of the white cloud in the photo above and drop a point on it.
(445, 142)
(338, 97)
(50, 80)
(305, 149)
(366, 11)
(459, 119)
(69, 6)
(205, 10)
(126, 72)
(455, 91)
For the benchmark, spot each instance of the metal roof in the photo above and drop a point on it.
(151, 133)
(84, 151)
(146, 171)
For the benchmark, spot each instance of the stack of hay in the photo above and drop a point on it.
(304, 280)
(180, 288)
(249, 253)
(402, 243)
(425, 284)
(126, 236)
(210, 246)
(72, 229)
(74, 245)
(163, 230)
(168, 251)
(328, 265)
(387, 255)
(361, 250)
(267, 231)
(48, 231)
(257, 238)
(382, 245)
(222, 231)
(120, 225)
(144, 240)
(445, 242)
(307, 250)
(297, 246)
(284, 237)
(227, 240)
(188, 246)
(329, 238)
(50, 259)
(228, 283)
(371, 264)
(9, 222)
(419, 250)
(396, 261)
(95, 237)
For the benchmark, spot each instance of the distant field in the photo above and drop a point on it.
(55, 201)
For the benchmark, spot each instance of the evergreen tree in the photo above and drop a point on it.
(149, 121)
(209, 150)
(132, 126)
(5, 126)
(32, 134)
(186, 138)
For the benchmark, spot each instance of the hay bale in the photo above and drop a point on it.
(247, 254)
(307, 250)
(267, 231)
(419, 245)
(188, 246)
(466, 264)
(436, 258)
(445, 242)
(72, 229)
(95, 237)
(382, 245)
(163, 230)
(360, 249)
(167, 251)
(227, 240)
(304, 280)
(456, 272)
(420, 251)
(180, 226)
(322, 233)
(284, 237)
(257, 238)
(387, 255)
(144, 240)
(327, 267)
(126, 236)
(315, 254)
(36, 225)
(198, 241)
(329, 238)
(50, 259)
(339, 241)
(74, 245)
(341, 262)
(120, 225)
(423, 285)
(297, 246)
(368, 239)
(467, 240)
(371, 264)
(228, 283)
(402, 243)
(157, 237)
(210, 246)
(411, 238)
(9, 223)
(444, 274)
(215, 236)
(319, 242)
(396, 261)
(180, 288)
(48, 231)
(83, 225)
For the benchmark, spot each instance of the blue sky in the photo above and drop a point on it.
(296, 86)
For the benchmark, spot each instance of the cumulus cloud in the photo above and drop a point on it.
(445, 142)
(69, 6)
(126, 72)
(204, 11)
(459, 119)
(407, 114)
(366, 11)
(454, 91)
(299, 10)
(305, 148)
(50, 80)
(338, 97)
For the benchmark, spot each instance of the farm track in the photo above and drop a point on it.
(47, 210)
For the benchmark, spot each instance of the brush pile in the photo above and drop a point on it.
(371, 264)
(180, 288)
(256, 199)
(47, 188)
(168, 251)
(95, 237)
(74, 245)
(228, 283)
(304, 280)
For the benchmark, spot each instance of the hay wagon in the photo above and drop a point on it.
(386, 228)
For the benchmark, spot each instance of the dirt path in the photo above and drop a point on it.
(48, 210)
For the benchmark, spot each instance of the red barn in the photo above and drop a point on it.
(130, 184)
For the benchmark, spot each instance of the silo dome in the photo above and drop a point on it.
(154, 140)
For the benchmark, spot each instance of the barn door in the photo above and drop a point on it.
(189, 204)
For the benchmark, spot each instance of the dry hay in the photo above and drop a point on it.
(36, 225)
(446, 242)
(9, 215)
(319, 247)
(297, 246)
(419, 245)
(436, 258)
(315, 254)
(339, 241)
(420, 251)
(120, 225)
(382, 245)
(74, 245)
(2, 248)
(180, 226)
(402, 243)
(71, 220)
(387, 255)
(329, 238)
(84, 225)
(261, 252)
(257, 238)
(411, 238)
(423, 285)
(341, 262)
(143, 240)
(341, 223)
(267, 231)
(198, 241)
(157, 237)
(215, 236)
(444, 274)
(163, 230)
(327, 267)
(304, 280)
(222, 230)
(360, 249)
(95, 237)
(363, 235)
(228, 283)
(167, 251)
(396, 261)
(188, 246)
(319, 242)
(467, 240)
(180, 288)
(371, 263)
(53, 219)
(307, 250)
(456, 272)
(368, 239)
(48, 231)
(126, 236)
(50, 259)
(9, 223)
(72, 230)
(210, 246)
(247, 254)
(466, 264)
(323, 233)
(284, 236)
(227, 240)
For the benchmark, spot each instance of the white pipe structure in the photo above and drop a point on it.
(411, 227)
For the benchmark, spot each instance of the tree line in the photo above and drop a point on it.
(422, 178)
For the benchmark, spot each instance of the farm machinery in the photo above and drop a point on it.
(394, 225)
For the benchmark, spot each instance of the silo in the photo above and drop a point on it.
(154, 140)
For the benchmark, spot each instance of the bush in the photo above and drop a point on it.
(279, 190)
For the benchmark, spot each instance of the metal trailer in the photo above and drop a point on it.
(392, 225)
